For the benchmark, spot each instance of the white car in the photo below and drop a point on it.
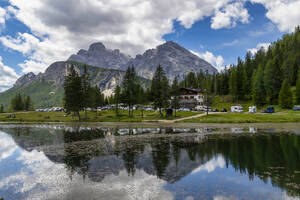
(236, 109)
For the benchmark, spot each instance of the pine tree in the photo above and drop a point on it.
(298, 88)
(1, 108)
(272, 80)
(86, 87)
(73, 98)
(17, 103)
(258, 90)
(160, 89)
(142, 98)
(233, 83)
(28, 103)
(175, 92)
(99, 98)
(129, 89)
(117, 99)
(285, 95)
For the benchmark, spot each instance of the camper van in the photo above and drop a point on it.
(236, 109)
(252, 109)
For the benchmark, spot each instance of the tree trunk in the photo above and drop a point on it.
(78, 115)
(85, 114)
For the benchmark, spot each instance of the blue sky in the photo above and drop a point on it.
(33, 34)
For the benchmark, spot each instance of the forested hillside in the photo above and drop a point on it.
(258, 77)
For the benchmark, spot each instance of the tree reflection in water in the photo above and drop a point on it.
(98, 152)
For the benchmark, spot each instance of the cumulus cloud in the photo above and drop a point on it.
(265, 46)
(216, 61)
(211, 165)
(2, 16)
(284, 13)
(39, 178)
(61, 28)
(7, 76)
(227, 17)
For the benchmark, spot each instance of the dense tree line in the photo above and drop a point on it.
(20, 103)
(266, 77)
(259, 77)
(79, 94)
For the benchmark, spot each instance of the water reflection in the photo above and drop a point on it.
(147, 163)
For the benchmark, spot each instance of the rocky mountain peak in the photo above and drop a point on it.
(25, 79)
(175, 59)
(99, 46)
(98, 55)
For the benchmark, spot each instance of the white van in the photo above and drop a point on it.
(236, 109)
(252, 109)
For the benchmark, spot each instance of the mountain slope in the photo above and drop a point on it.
(46, 89)
(98, 55)
(176, 61)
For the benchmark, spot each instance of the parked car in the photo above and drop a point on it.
(236, 109)
(269, 110)
(184, 109)
(149, 109)
(223, 110)
(296, 108)
(252, 109)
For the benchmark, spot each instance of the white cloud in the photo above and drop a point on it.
(228, 16)
(40, 178)
(216, 61)
(2, 16)
(284, 13)
(228, 44)
(7, 76)
(265, 46)
(60, 28)
(211, 165)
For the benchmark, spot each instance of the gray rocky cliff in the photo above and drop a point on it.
(98, 55)
(176, 61)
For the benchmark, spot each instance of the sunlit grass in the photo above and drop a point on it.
(102, 116)
(283, 116)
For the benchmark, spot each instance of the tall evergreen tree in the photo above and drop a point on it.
(117, 99)
(86, 88)
(298, 89)
(272, 80)
(73, 98)
(285, 95)
(28, 103)
(160, 89)
(17, 103)
(1, 108)
(233, 83)
(175, 92)
(258, 90)
(129, 89)
(99, 98)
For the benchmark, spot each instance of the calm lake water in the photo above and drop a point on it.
(60, 162)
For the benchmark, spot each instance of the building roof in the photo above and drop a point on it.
(191, 89)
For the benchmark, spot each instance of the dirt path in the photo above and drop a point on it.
(184, 118)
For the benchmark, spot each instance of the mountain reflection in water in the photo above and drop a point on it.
(147, 163)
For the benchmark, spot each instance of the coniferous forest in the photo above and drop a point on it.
(258, 77)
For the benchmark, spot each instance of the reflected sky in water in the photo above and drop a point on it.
(38, 163)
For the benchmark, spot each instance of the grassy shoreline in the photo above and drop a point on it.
(281, 117)
(103, 116)
(153, 116)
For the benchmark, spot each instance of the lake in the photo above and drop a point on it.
(186, 162)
